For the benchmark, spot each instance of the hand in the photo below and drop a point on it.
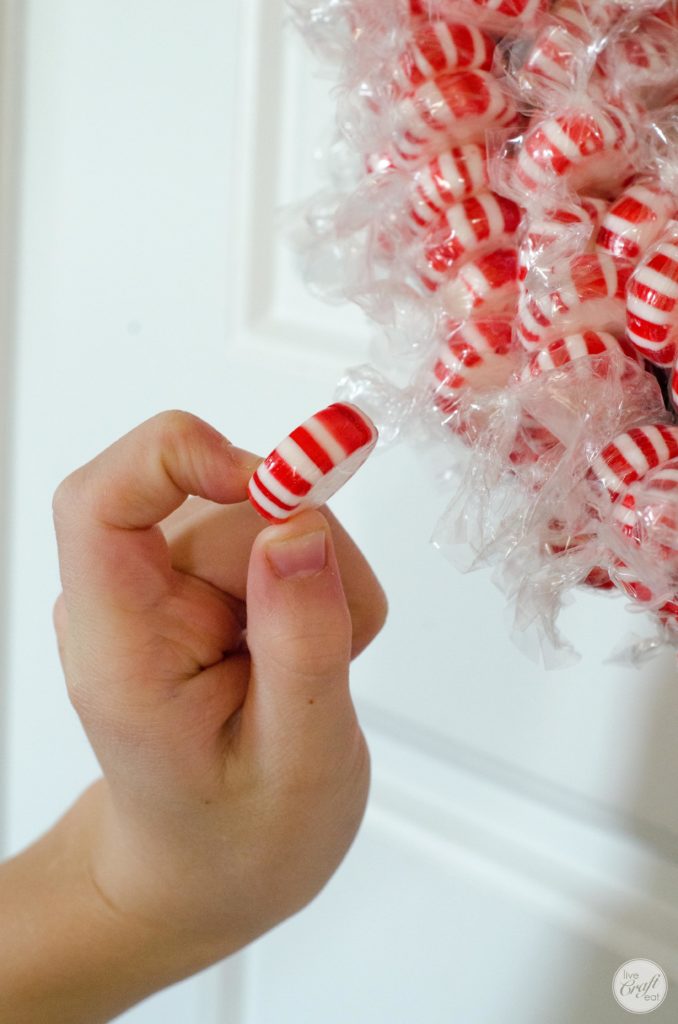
(213, 688)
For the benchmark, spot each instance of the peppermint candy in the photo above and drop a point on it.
(652, 317)
(440, 46)
(486, 220)
(635, 220)
(313, 462)
(450, 109)
(447, 178)
(590, 292)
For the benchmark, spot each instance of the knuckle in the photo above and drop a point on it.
(181, 439)
(176, 424)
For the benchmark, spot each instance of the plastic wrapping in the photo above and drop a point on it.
(510, 225)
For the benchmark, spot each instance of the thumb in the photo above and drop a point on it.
(298, 624)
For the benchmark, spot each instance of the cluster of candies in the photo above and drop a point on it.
(515, 215)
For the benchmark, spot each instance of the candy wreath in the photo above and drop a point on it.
(511, 226)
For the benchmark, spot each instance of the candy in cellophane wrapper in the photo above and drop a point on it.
(585, 292)
(503, 208)
(563, 54)
(642, 58)
(527, 504)
(591, 148)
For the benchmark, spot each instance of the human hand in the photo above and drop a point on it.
(236, 773)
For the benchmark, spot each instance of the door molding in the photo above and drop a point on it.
(11, 62)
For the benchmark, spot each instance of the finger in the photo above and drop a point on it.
(105, 513)
(214, 543)
(299, 634)
(184, 514)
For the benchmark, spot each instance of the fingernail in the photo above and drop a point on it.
(244, 460)
(302, 555)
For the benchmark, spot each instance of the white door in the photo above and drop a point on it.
(522, 836)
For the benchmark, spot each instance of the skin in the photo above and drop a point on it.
(215, 694)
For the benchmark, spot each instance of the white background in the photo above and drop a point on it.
(522, 834)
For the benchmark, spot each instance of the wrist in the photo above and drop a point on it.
(158, 888)
(67, 952)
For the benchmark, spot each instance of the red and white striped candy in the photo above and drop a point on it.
(559, 541)
(439, 46)
(647, 515)
(589, 345)
(419, 9)
(644, 60)
(521, 9)
(313, 462)
(565, 45)
(633, 454)
(588, 20)
(588, 148)
(508, 16)
(456, 174)
(531, 442)
(479, 222)
(589, 294)
(557, 56)
(635, 220)
(475, 355)
(652, 316)
(588, 357)
(559, 229)
(449, 110)
(645, 56)
(485, 286)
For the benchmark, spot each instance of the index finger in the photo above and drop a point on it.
(106, 513)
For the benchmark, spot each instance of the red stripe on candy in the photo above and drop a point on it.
(619, 465)
(664, 265)
(477, 218)
(263, 511)
(651, 297)
(310, 447)
(462, 168)
(617, 244)
(272, 497)
(288, 477)
(646, 448)
(347, 428)
(646, 330)
(670, 440)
